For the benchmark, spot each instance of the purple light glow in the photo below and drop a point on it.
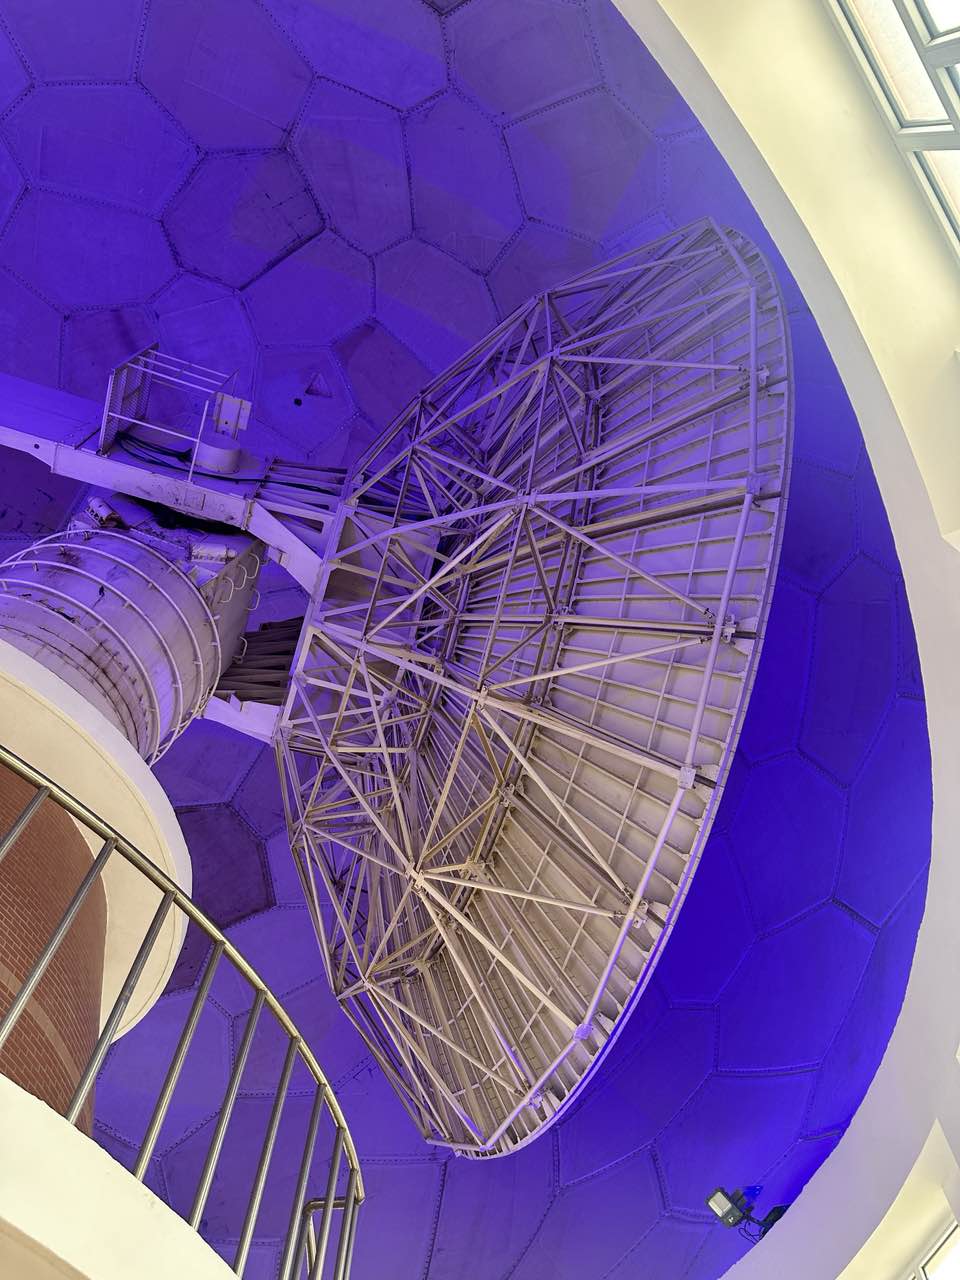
(338, 237)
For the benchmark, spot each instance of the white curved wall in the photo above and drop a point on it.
(67, 1209)
(777, 90)
(57, 731)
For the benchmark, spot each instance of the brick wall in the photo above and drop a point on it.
(56, 1034)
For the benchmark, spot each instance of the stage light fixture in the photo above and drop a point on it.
(735, 1209)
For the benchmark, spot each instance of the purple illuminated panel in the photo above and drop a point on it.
(695, 1092)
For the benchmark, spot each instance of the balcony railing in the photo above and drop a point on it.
(322, 1219)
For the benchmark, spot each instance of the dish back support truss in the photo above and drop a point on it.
(520, 686)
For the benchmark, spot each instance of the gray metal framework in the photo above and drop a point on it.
(521, 681)
(322, 1227)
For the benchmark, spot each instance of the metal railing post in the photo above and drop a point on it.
(266, 1154)
(328, 1202)
(301, 1231)
(345, 1243)
(176, 1064)
(116, 1013)
(292, 1241)
(216, 1143)
(11, 837)
(354, 1215)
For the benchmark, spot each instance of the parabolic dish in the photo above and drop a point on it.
(524, 672)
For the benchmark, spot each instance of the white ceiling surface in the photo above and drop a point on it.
(334, 197)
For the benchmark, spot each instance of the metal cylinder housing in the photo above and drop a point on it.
(127, 621)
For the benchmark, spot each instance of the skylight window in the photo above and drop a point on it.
(944, 1262)
(943, 16)
(897, 63)
(909, 50)
(944, 171)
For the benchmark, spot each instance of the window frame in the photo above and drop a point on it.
(939, 55)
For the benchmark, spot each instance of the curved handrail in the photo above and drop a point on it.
(301, 1244)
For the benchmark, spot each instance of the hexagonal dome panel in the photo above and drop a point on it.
(538, 258)
(125, 1153)
(127, 1088)
(713, 931)
(873, 527)
(301, 395)
(815, 551)
(909, 675)
(775, 1105)
(282, 968)
(615, 1118)
(13, 74)
(464, 190)
(390, 49)
(856, 623)
(316, 1016)
(287, 889)
(785, 839)
(80, 254)
(854, 1055)
(885, 850)
(345, 446)
(669, 1247)
(517, 55)
(378, 1121)
(183, 1162)
(83, 40)
(238, 214)
(224, 70)
(206, 765)
(29, 332)
(36, 503)
(206, 322)
(351, 149)
(94, 342)
(822, 409)
(383, 374)
(491, 1216)
(108, 141)
(400, 1193)
(432, 302)
(634, 74)
(776, 704)
(11, 184)
(586, 165)
(692, 165)
(821, 957)
(230, 876)
(257, 796)
(312, 295)
(574, 1252)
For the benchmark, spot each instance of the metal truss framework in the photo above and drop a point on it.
(521, 682)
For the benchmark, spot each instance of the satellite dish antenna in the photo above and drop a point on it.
(521, 682)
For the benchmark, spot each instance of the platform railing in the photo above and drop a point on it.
(322, 1222)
